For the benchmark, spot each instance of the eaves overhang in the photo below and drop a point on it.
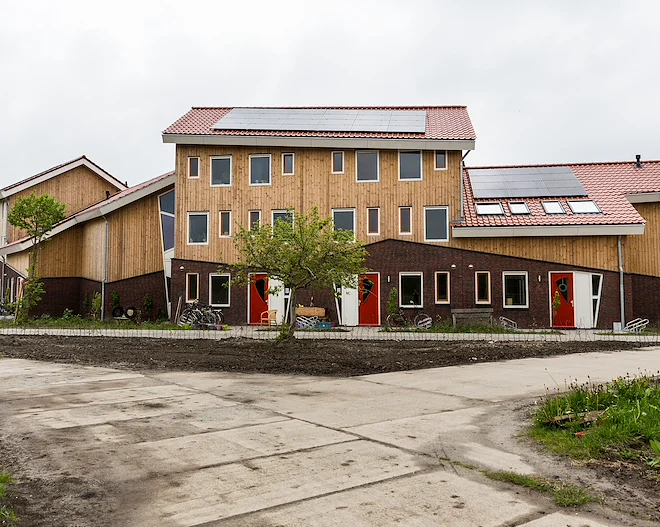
(644, 197)
(548, 230)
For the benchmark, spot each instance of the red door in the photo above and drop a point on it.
(369, 291)
(563, 309)
(257, 297)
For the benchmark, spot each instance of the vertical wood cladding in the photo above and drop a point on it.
(93, 250)
(641, 253)
(62, 254)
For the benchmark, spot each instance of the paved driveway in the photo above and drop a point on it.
(206, 449)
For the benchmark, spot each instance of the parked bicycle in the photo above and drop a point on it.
(197, 313)
(403, 320)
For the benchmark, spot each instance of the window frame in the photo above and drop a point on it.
(476, 288)
(591, 201)
(377, 233)
(199, 167)
(343, 162)
(421, 165)
(515, 273)
(284, 211)
(188, 299)
(228, 275)
(168, 214)
(549, 202)
(421, 292)
(436, 207)
(523, 203)
(448, 275)
(270, 170)
(208, 227)
(293, 163)
(231, 171)
(436, 168)
(490, 204)
(357, 155)
(220, 213)
(401, 233)
(250, 226)
(348, 209)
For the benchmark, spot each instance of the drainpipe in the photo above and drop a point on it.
(622, 299)
(461, 180)
(105, 268)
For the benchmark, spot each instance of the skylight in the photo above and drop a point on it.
(584, 207)
(553, 207)
(519, 207)
(485, 209)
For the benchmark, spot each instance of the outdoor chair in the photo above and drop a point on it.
(269, 318)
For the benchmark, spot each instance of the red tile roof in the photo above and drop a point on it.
(442, 122)
(606, 183)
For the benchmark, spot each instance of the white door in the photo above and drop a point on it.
(350, 306)
(584, 317)
(276, 300)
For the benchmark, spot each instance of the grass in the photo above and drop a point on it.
(564, 495)
(78, 322)
(627, 426)
(7, 515)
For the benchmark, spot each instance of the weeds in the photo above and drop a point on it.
(7, 515)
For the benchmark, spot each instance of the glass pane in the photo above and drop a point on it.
(489, 208)
(282, 216)
(373, 221)
(366, 288)
(404, 221)
(221, 171)
(583, 207)
(337, 161)
(343, 220)
(483, 293)
(168, 231)
(260, 170)
(260, 286)
(411, 290)
(443, 288)
(441, 159)
(515, 290)
(255, 218)
(167, 202)
(410, 166)
(553, 207)
(288, 163)
(225, 221)
(197, 228)
(220, 290)
(367, 166)
(193, 167)
(192, 289)
(437, 224)
(595, 284)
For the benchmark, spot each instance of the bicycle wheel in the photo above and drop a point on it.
(187, 317)
(395, 321)
(423, 321)
(220, 316)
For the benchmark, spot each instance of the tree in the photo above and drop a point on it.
(302, 251)
(36, 215)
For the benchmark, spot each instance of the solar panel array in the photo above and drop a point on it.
(303, 120)
(541, 182)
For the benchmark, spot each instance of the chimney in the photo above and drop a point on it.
(639, 161)
(107, 194)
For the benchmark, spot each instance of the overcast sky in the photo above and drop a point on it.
(552, 81)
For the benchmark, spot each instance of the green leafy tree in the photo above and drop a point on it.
(36, 215)
(305, 252)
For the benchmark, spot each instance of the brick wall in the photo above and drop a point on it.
(133, 291)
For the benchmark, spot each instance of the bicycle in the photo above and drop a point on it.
(402, 320)
(197, 313)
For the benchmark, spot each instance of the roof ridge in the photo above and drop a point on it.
(406, 107)
(582, 163)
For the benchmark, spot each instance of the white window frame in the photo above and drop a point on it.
(448, 274)
(435, 159)
(220, 213)
(160, 222)
(346, 210)
(357, 153)
(596, 297)
(208, 228)
(199, 167)
(515, 273)
(270, 170)
(231, 171)
(547, 203)
(211, 275)
(250, 218)
(590, 201)
(436, 207)
(421, 292)
(284, 211)
(398, 219)
(293, 163)
(476, 289)
(343, 162)
(377, 233)
(421, 165)
(500, 210)
(521, 203)
(188, 299)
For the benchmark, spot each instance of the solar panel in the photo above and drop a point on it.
(532, 182)
(297, 119)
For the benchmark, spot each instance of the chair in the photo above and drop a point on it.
(269, 318)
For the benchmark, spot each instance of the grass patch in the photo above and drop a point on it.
(564, 495)
(78, 322)
(618, 420)
(7, 515)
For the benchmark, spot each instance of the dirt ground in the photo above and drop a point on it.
(39, 502)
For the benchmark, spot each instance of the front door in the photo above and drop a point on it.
(257, 297)
(562, 300)
(369, 296)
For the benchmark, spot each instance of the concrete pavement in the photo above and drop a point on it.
(207, 449)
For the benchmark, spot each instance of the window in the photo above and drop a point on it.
(198, 228)
(436, 224)
(367, 166)
(515, 289)
(442, 287)
(219, 290)
(221, 171)
(193, 167)
(337, 162)
(596, 289)
(254, 219)
(405, 220)
(410, 290)
(287, 164)
(344, 219)
(484, 209)
(373, 221)
(166, 202)
(283, 215)
(410, 165)
(553, 207)
(482, 287)
(192, 287)
(584, 207)
(519, 207)
(440, 160)
(225, 223)
(260, 169)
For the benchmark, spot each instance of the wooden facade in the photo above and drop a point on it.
(642, 253)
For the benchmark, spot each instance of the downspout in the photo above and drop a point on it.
(622, 299)
(105, 268)
(461, 179)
